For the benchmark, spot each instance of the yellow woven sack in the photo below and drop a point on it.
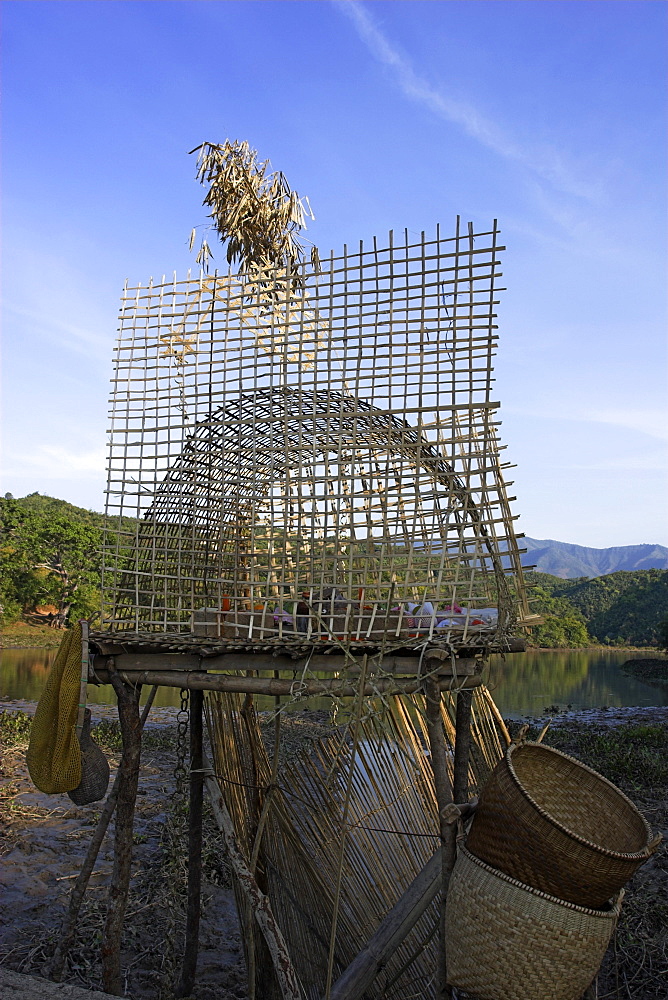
(54, 754)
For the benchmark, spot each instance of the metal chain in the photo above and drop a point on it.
(182, 720)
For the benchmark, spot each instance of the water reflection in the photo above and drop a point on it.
(523, 684)
(527, 683)
(23, 674)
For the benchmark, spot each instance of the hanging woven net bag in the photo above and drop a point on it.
(54, 755)
(94, 769)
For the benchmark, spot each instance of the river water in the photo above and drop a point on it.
(524, 684)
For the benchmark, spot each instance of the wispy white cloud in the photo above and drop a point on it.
(80, 339)
(56, 462)
(646, 423)
(653, 462)
(54, 297)
(544, 161)
(652, 423)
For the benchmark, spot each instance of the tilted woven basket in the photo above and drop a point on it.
(553, 823)
(507, 941)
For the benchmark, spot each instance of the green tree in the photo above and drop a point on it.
(49, 555)
(662, 633)
(563, 627)
(626, 607)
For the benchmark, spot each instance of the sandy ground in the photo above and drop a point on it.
(43, 840)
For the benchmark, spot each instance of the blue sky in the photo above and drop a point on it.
(547, 116)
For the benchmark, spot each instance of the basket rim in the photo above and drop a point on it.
(605, 851)
(615, 901)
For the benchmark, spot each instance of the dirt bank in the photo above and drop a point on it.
(44, 838)
(651, 670)
(607, 718)
(22, 635)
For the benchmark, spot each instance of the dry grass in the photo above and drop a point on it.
(634, 757)
(21, 635)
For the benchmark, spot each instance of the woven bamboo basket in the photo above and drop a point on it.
(507, 941)
(553, 823)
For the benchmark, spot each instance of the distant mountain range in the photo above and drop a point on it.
(568, 561)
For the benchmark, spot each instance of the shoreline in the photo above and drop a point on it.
(648, 650)
(605, 717)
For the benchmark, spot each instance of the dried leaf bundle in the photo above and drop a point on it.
(254, 211)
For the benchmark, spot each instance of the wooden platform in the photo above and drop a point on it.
(112, 643)
(279, 667)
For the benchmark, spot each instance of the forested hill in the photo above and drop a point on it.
(50, 557)
(618, 608)
(51, 506)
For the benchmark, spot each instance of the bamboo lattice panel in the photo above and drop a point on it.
(314, 455)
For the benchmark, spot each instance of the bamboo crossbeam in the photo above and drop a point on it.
(196, 681)
(408, 666)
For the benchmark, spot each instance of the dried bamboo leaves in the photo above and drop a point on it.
(254, 211)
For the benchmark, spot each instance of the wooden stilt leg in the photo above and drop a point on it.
(188, 968)
(127, 780)
(258, 902)
(79, 887)
(462, 746)
(442, 787)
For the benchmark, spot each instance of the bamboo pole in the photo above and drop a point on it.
(128, 777)
(195, 681)
(401, 919)
(342, 835)
(257, 901)
(362, 971)
(83, 878)
(448, 831)
(189, 966)
(399, 922)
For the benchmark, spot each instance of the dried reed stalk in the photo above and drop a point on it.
(390, 834)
